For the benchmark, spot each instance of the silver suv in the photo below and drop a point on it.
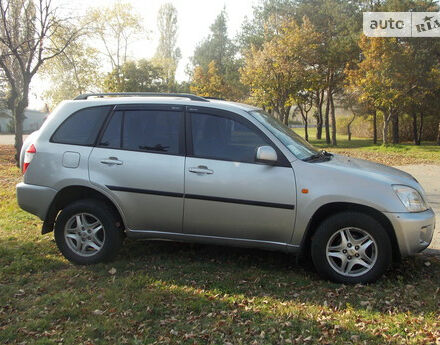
(185, 168)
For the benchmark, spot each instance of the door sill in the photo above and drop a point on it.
(226, 241)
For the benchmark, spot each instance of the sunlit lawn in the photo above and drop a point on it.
(171, 293)
(406, 153)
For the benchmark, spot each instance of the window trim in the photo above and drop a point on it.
(282, 160)
(147, 107)
(110, 110)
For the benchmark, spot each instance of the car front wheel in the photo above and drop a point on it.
(351, 248)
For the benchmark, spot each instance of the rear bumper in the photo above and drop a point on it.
(413, 231)
(35, 199)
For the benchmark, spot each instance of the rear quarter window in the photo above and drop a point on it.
(82, 127)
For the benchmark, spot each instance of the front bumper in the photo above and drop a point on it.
(35, 199)
(413, 231)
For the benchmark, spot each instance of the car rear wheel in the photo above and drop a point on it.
(87, 232)
(350, 248)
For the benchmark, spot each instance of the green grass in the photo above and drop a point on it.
(401, 154)
(171, 293)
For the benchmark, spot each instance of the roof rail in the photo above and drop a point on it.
(215, 98)
(141, 94)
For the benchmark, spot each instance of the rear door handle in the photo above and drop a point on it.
(201, 169)
(111, 161)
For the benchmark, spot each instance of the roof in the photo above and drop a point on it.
(154, 98)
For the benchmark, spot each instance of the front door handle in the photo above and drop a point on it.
(111, 161)
(201, 169)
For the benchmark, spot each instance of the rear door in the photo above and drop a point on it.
(139, 158)
(227, 193)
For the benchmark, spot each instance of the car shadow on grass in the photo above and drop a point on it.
(254, 272)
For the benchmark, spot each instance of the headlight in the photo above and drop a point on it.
(410, 198)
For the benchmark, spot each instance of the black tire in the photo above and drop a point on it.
(112, 241)
(328, 230)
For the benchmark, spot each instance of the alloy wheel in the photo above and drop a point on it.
(351, 252)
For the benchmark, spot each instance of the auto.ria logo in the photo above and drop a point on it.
(401, 24)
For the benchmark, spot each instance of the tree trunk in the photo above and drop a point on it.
(375, 127)
(319, 102)
(286, 116)
(395, 120)
(283, 115)
(386, 121)
(419, 136)
(278, 112)
(304, 116)
(17, 105)
(349, 127)
(332, 105)
(18, 113)
(415, 130)
(438, 134)
(385, 132)
(326, 119)
(306, 133)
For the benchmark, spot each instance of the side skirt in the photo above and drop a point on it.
(223, 241)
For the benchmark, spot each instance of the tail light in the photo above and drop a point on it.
(28, 156)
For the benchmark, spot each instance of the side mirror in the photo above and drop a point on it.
(266, 154)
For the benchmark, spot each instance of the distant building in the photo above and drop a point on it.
(33, 121)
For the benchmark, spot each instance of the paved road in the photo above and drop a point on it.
(8, 139)
(429, 178)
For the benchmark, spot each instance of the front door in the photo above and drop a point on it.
(140, 160)
(227, 193)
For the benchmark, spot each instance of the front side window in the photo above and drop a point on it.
(297, 145)
(144, 130)
(82, 127)
(222, 138)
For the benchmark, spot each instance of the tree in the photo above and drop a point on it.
(209, 82)
(167, 54)
(281, 72)
(381, 78)
(339, 23)
(77, 70)
(350, 101)
(304, 101)
(136, 76)
(26, 32)
(264, 24)
(422, 77)
(218, 47)
(116, 27)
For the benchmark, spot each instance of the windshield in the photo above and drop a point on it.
(297, 145)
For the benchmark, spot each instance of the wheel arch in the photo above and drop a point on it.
(70, 194)
(330, 209)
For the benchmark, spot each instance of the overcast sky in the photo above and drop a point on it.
(194, 19)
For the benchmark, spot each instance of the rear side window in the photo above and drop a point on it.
(82, 127)
(145, 130)
(112, 134)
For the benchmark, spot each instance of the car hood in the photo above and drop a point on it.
(372, 170)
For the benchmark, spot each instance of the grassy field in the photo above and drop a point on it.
(171, 293)
(401, 154)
